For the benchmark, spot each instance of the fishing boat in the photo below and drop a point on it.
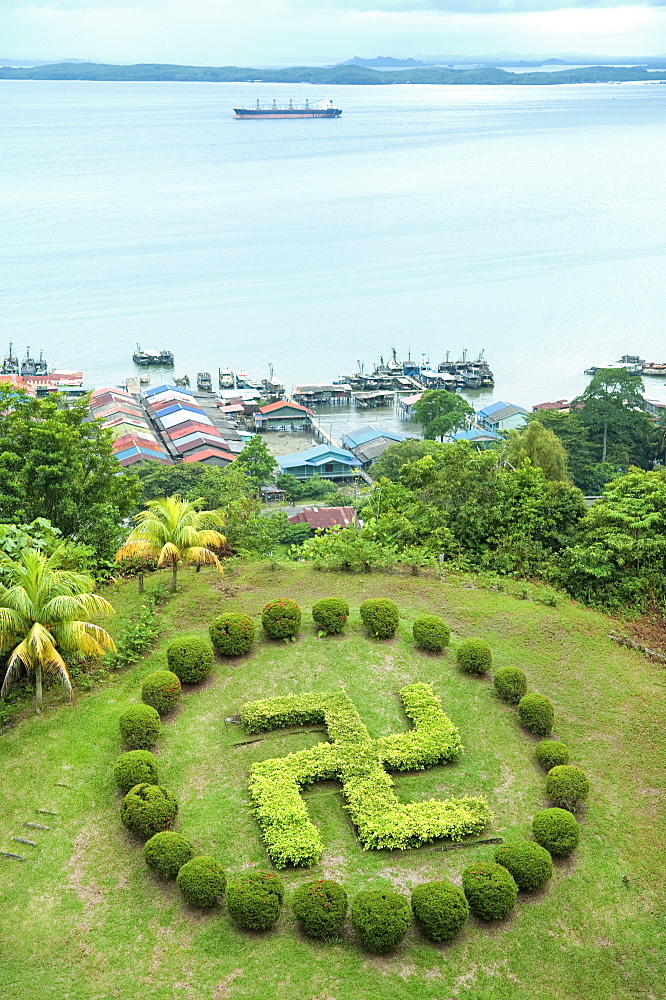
(32, 366)
(654, 368)
(10, 365)
(204, 382)
(225, 378)
(183, 381)
(163, 359)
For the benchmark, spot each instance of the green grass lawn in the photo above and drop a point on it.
(83, 917)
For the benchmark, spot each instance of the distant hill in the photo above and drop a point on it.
(387, 61)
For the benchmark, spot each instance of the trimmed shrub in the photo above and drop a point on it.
(381, 919)
(201, 881)
(440, 909)
(556, 830)
(331, 615)
(254, 900)
(380, 617)
(551, 753)
(161, 689)
(474, 656)
(148, 809)
(431, 632)
(320, 908)
(567, 786)
(490, 890)
(536, 713)
(510, 684)
(190, 658)
(134, 768)
(140, 727)
(281, 619)
(167, 852)
(530, 864)
(232, 634)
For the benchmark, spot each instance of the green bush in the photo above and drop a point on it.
(140, 727)
(490, 890)
(134, 768)
(551, 753)
(190, 658)
(510, 684)
(440, 909)
(167, 852)
(474, 656)
(380, 617)
(232, 634)
(431, 632)
(281, 619)
(567, 786)
(381, 919)
(161, 689)
(320, 908)
(254, 900)
(148, 809)
(530, 864)
(536, 713)
(331, 615)
(556, 830)
(201, 881)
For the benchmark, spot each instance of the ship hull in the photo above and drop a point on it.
(287, 113)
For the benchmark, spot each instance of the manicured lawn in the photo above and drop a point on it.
(83, 918)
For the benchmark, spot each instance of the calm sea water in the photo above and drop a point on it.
(529, 222)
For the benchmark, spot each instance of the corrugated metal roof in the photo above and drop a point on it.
(369, 432)
(206, 454)
(165, 387)
(325, 517)
(319, 455)
(272, 407)
(190, 426)
(181, 417)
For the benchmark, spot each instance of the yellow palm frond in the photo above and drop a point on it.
(199, 554)
(170, 553)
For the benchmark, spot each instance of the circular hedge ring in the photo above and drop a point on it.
(551, 753)
(134, 768)
(167, 852)
(474, 656)
(536, 714)
(254, 900)
(331, 615)
(510, 683)
(530, 864)
(431, 633)
(556, 830)
(190, 659)
(201, 881)
(567, 786)
(381, 919)
(281, 619)
(148, 809)
(161, 689)
(490, 890)
(232, 634)
(320, 908)
(440, 909)
(140, 727)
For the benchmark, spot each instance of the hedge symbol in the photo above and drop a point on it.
(361, 764)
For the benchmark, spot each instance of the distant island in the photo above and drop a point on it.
(343, 74)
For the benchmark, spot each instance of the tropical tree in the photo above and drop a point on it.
(441, 412)
(542, 447)
(256, 461)
(613, 409)
(41, 614)
(172, 531)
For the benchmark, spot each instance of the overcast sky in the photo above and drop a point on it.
(264, 32)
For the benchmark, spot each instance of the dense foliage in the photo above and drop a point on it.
(167, 852)
(201, 881)
(556, 830)
(510, 683)
(474, 656)
(190, 658)
(381, 919)
(441, 412)
(148, 809)
(281, 619)
(320, 908)
(254, 900)
(440, 909)
(381, 617)
(161, 689)
(431, 632)
(490, 890)
(567, 786)
(140, 726)
(134, 768)
(530, 864)
(536, 713)
(331, 614)
(550, 753)
(232, 634)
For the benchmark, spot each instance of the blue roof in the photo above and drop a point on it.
(488, 411)
(191, 407)
(164, 388)
(474, 434)
(369, 433)
(319, 455)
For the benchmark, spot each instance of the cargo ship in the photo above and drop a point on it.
(318, 109)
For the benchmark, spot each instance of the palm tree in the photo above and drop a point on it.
(174, 531)
(41, 613)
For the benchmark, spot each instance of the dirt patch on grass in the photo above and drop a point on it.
(85, 858)
(221, 990)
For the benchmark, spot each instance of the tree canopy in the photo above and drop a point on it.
(541, 447)
(441, 412)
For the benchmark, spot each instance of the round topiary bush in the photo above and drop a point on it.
(556, 830)
(320, 908)
(474, 656)
(490, 890)
(161, 689)
(510, 684)
(536, 713)
(567, 786)
(381, 918)
(431, 632)
(254, 900)
(190, 658)
(148, 809)
(134, 768)
(232, 634)
(530, 864)
(331, 615)
(140, 727)
(201, 881)
(440, 909)
(551, 753)
(380, 617)
(281, 619)
(167, 852)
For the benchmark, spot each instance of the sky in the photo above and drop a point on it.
(279, 32)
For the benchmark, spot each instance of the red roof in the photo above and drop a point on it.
(189, 426)
(272, 407)
(203, 453)
(325, 517)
